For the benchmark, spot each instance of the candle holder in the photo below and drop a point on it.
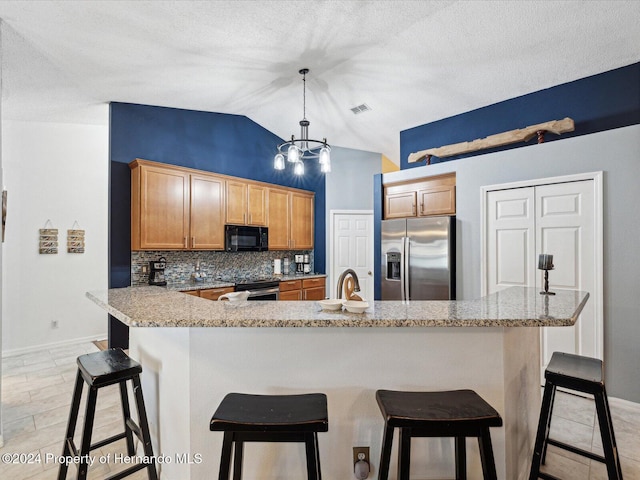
(545, 262)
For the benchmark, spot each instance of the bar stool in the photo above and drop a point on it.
(270, 418)
(581, 374)
(457, 413)
(99, 370)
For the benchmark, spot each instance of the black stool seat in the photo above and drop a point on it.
(272, 413)
(270, 418)
(581, 374)
(456, 413)
(98, 370)
(107, 367)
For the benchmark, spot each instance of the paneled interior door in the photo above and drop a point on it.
(352, 247)
(558, 219)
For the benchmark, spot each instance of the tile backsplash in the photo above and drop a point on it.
(216, 265)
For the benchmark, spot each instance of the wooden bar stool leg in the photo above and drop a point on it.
(89, 415)
(461, 458)
(144, 427)
(238, 454)
(546, 437)
(317, 446)
(404, 454)
(225, 457)
(385, 453)
(542, 432)
(486, 455)
(613, 436)
(312, 466)
(71, 424)
(126, 416)
(608, 439)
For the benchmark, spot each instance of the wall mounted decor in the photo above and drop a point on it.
(48, 239)
(498, 140)
(75, 239)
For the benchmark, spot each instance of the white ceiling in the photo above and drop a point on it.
(412, 62)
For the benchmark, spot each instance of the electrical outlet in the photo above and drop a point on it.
(54, 323)
(144, 269)
(361, 453)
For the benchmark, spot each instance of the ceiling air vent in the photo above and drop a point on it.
(361, 108)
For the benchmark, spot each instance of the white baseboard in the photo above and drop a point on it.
(36, 348)
(624, 403)
(1, 441)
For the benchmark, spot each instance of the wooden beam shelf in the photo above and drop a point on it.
(498, 140)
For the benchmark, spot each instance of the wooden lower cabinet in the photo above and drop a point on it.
(305, 289)
(214, 293)
(210, 293)
(291, 295)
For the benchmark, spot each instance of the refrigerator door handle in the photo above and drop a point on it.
(407, 251)
(402, 273)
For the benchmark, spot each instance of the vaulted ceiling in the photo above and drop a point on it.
(411, 62)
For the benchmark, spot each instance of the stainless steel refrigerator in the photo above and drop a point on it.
(418, 259)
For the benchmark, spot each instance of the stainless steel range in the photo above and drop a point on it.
(266, 289)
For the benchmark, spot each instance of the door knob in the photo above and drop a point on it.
(369, 273)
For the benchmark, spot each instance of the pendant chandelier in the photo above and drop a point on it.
(297, 150)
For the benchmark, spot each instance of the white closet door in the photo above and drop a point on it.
(511, 238)
(565, 227)
(559, 219)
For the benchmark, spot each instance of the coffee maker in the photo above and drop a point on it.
(303, 263)
(156, 272)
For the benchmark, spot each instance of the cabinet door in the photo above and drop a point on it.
(257, 205)
(214, 293)
(291, 295)
(236, 202)
(278, 219)
(400, 205)
(316, 293)
(207, 212)
(164, 208)
(439, 200)
(301, 221)
(193, 293)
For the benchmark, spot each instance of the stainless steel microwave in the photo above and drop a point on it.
(242, 238)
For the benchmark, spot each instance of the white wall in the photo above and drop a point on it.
(59, 172)
(617, 153)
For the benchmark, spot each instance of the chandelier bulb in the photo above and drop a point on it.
(278, 162)
(293, 154)
(298, 169)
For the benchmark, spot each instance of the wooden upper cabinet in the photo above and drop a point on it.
(279, 219)
(301, 208)
(177, 208)
(421, 198)
(159, 208)
(400, 205)
(236, 202)
(207, 212)
(257, 205)
(246, 203)
(437, 200)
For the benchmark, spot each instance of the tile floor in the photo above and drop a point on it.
(37, 389)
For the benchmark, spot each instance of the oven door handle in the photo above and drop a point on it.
(264, 291)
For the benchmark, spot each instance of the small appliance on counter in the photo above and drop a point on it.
(303, 263)
(156, 272)
(277, 266)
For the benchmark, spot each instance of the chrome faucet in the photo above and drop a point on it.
(343, 275)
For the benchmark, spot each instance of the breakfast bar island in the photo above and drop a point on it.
(194, 351)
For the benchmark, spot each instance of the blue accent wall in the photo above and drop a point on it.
(215, 142)
(596, 103)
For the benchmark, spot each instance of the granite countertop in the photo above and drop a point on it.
(513, 307)
(217, 283)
